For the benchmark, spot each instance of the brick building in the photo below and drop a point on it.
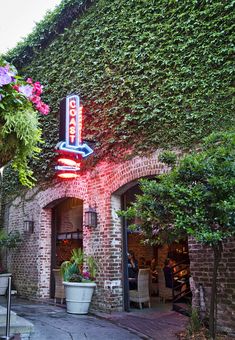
(102, 187)
(57, 209)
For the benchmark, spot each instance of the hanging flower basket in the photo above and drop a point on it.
(20, 132)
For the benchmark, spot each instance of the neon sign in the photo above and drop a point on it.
(68, 175)
(71, 149)
(73, 135)
(73, 121)
(67, 161)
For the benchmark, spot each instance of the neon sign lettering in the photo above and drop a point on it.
(73, 135)
(72, 119)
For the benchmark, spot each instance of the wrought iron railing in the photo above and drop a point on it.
(181, 287)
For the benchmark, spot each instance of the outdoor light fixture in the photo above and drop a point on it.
(28, 226)
(90, 218)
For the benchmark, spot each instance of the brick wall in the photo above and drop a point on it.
(101, 188)
(201, 266)
(140, 250)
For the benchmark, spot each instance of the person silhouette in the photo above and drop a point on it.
(132, 270)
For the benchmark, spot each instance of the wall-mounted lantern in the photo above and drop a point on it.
(90, 218)
(29, 226)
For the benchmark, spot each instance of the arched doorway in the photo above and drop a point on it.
(153, 257)
(67, 232)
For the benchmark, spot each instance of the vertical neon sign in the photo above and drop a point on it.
(73, 129)
(73, 121)
(71, 147)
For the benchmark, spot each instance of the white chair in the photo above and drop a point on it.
(59, 287)
(141, 294)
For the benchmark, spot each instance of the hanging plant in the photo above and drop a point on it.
(20, 132)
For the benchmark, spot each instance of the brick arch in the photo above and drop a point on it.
(123, 177)
(130, 172)
(52, 195)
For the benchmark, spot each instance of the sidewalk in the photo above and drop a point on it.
(153, 323)
(53, 322)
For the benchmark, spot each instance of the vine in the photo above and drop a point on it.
(151, 73)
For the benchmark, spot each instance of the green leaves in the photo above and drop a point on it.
(168, 157)
(150, 74)
(72, 270)
(10, 240)
(20, 132)
(20, 136)
(197, 197)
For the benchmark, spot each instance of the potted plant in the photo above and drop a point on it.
(79, 284)
(7, 241)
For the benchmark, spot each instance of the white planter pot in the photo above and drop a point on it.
(4, 283)
(78, 296)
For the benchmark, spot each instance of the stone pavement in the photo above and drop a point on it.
(156, 325)
(18, 325)
(53, 322)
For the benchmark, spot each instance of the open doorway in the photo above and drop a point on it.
(67, 233)
(153, 259)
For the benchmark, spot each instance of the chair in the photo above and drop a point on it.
(165, 293)
(153, 287)
(141, 294)
(59, 287)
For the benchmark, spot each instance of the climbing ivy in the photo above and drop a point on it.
(150, 73)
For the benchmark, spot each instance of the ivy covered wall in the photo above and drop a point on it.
(151, 73)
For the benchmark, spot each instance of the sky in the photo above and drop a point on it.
(18, 18)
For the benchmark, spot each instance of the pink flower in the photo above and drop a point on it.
(16, 87)
(29, 89)
(38, 105)
(35, 99)
(86, 275)
(42, 107)
(37, 88)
